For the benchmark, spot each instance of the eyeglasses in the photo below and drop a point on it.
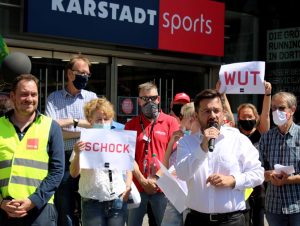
(149, 98)
(280, 108)
(84, 74)
(209, 111)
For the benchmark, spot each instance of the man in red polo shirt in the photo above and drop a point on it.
(179, 100)
(154, 130)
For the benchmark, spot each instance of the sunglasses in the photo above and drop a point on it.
(148, 99)
(84, 74)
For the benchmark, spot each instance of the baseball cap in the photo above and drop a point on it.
(182, 98)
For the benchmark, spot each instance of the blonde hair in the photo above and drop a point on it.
(248, 105)
(147, 86)
(101, 104)
(188, 110)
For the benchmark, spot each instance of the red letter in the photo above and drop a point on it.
(254, 76)
(246, 78)
(96, 147)
(126, 148)
(87, 146)
(119, 148)
(230, 79)
(103, 146)
(111, 147)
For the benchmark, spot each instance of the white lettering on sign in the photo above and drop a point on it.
(245, 78)
(176, 22)
(105, 10)
(283, 45)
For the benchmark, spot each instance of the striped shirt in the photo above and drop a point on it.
(62, 105)
(284, 149)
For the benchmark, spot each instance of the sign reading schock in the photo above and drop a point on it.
(177, 25)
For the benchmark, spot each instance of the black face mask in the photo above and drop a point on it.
(150, 110)
(80, 82)
(176, 109)
(247, 125)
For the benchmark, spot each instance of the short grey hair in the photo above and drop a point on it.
(290, 98)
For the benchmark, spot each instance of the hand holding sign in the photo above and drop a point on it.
(243, 78)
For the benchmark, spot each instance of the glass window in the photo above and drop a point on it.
(168, 81)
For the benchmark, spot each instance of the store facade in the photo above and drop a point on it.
(178, 44)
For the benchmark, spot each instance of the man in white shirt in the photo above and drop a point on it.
(218, 164)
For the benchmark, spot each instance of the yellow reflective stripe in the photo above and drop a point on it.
(5, 164)
(31, 163)
(25, 181)
(4, 182)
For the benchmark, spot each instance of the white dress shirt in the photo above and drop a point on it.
(233, 155)
(95, 183)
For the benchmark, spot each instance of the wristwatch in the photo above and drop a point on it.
(75, 122)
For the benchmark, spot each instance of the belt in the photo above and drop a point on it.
(214, 217)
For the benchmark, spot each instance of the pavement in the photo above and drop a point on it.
(145, 221)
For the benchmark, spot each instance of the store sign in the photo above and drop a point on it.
(192, 26)
(283, 45)
(177, 25)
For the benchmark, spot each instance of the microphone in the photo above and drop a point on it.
(211, 142)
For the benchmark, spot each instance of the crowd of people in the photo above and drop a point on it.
(215, 155)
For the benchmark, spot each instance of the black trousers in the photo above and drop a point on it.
(195, 218)
(47, 216)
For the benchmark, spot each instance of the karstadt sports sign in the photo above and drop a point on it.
(191, 26)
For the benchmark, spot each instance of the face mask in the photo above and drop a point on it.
(247, 124)
(279, 117)
(176, 109)
(150, 110)
(102, 126)
(80, 82)
(187, 132)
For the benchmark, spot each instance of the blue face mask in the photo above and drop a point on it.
(102, 126)
(187, 132)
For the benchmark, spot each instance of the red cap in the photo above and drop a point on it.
(182, 98)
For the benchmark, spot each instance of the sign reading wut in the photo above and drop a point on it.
(243, 78)
(177, 25)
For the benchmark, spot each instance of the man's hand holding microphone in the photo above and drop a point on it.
(210, 134)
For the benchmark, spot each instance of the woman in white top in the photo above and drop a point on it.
(104, 193)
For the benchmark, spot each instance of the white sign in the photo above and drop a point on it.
(105, 148)
(174, 189)
(243, 78)
(287, 169)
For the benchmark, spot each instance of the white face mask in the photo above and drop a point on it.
(279, 117)
(102, 126)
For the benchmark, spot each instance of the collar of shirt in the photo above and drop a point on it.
(21, 134)
(67, 94)
(292, 131)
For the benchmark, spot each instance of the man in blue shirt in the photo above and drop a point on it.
(66, 107)
(280, 145)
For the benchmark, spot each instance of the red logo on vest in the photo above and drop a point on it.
(33, 143)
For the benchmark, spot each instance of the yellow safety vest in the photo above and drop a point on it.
(23, 164)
